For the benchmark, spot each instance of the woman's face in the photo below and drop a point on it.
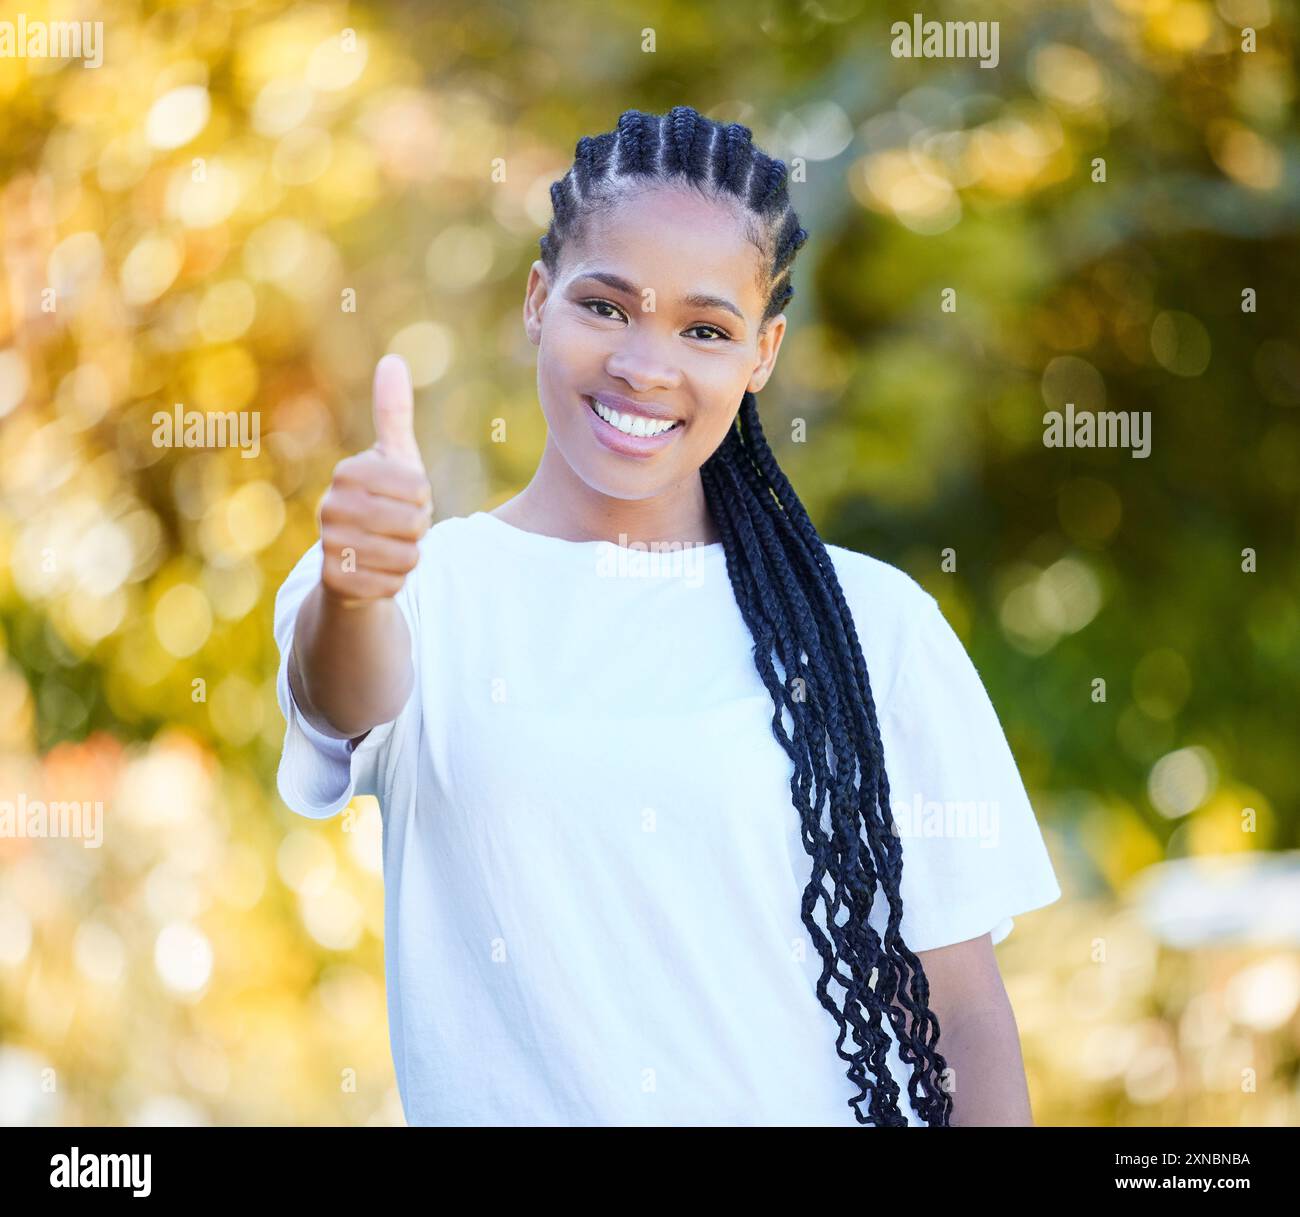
(655, 313)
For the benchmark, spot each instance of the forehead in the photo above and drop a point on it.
(677, 242)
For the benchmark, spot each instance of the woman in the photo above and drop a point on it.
(611, 723)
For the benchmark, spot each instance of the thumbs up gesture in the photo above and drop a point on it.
(379, 503)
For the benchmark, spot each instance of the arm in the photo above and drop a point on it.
(978, 1036)
(350, 664)
(358, 660)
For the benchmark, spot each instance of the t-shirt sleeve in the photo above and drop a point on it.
(319, 775)
(973, 853)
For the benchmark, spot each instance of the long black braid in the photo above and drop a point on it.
(788, 593)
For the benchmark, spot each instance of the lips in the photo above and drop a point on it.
(623, 444)
(625, 405)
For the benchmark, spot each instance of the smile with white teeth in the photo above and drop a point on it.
(632, 424)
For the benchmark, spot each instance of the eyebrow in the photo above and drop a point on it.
(695, 299)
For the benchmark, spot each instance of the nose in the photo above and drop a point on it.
(642, 359)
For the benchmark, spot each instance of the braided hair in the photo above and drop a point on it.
(787, 591)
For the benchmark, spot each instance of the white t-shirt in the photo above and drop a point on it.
(593, 863)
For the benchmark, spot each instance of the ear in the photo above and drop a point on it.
(769, 343)
(535, 297)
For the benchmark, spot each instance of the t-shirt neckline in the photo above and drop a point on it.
(522, 538)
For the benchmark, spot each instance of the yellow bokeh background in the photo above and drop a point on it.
(247, 204)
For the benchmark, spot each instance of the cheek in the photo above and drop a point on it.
(718, 383)
(565, 359)
(724, 375)
(568, 346)
(709, 430)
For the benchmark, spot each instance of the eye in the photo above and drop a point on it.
(587, 304)
(597, 303)
(723, 335)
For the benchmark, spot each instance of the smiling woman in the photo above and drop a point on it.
(680, 338)
(603, 789)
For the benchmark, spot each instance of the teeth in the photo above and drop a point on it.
(632, 424)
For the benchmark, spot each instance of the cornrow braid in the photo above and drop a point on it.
(805, 639)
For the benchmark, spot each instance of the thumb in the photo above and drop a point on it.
(394, 411)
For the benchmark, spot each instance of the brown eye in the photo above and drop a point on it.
(723, 336)
(593, 304)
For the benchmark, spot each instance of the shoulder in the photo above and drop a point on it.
(450, 530)
(881, 594)
(450, 537)
(889, 608)
(879, 582)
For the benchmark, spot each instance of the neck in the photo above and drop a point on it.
(560, 504)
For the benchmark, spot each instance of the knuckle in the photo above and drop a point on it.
(339, 508)
(402, 523)
(412, 486)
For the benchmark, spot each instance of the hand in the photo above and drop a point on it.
(379, 503)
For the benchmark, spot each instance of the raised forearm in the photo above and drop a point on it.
(350, 668)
